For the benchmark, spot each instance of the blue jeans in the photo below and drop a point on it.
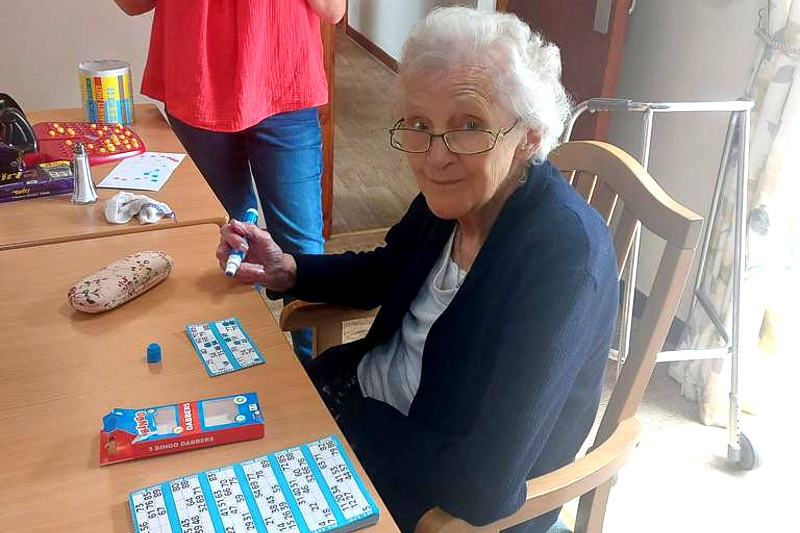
(283, 155)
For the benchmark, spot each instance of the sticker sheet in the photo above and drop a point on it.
(310, 488)
(223, 346)
(145, 172)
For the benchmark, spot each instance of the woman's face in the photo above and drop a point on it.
(462, 186)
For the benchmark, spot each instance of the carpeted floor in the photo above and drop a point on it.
(680, 480)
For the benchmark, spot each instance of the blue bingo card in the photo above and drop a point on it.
(223, 346)
(309, 488)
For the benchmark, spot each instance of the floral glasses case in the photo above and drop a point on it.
(120, 281)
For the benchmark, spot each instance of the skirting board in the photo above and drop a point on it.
(376, 51)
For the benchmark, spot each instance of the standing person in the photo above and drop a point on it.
(240, 80)
(497, 289)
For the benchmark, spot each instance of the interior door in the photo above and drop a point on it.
(591, 36)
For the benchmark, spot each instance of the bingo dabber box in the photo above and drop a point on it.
(137, 433)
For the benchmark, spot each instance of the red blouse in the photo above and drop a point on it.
(225, 65)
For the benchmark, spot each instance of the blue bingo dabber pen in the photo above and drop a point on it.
(235, 257)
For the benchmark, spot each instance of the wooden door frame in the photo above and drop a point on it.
(328, 33)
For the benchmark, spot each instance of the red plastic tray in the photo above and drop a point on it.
(104, 143)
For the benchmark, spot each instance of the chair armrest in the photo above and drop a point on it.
(326, 319)
(547, 492)
(299, 314)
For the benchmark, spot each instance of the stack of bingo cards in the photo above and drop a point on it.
(309, 488)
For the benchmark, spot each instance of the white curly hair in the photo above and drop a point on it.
(525, 69)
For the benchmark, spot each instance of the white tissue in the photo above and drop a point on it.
(123, 206)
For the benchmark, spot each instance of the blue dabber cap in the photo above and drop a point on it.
(236, 256)
(153, 353)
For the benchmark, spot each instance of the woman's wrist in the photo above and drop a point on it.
(284, 279)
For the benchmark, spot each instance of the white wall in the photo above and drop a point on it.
(386, 22)
(44, 40)
(683, 50)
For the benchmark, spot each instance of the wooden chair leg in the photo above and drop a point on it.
(327, 335)
(592, 509)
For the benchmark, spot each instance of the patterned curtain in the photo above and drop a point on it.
(773, 187)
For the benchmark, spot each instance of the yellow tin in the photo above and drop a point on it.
(106, 90)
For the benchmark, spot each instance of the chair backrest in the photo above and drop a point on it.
(617, 186)
(624, 194)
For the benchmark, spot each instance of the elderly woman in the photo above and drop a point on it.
(498, 288)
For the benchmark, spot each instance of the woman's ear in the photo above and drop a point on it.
(528, 145)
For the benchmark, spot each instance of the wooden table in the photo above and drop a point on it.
(63, 371)
(56, 219)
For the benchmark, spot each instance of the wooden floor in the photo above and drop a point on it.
(373, 185)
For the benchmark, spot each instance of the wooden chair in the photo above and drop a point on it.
(326, 320)
(623, 192)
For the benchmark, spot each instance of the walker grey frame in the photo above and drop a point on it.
(738, 127)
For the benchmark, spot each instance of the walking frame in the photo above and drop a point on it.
(740, 449)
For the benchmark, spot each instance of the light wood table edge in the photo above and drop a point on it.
(135, 228)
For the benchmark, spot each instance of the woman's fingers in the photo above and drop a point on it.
(251, 273)
(255, 242)
(233, 234)
(259, 238)
(222, 252)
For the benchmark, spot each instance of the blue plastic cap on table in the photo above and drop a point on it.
(153, 353)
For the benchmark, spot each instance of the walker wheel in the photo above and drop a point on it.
(749, 458)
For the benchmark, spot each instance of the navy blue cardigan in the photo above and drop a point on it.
(511, 371)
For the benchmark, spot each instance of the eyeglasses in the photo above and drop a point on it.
(460, 142)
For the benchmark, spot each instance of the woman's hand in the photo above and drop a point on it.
(330, 11)
(136, 7)
(264, 261)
